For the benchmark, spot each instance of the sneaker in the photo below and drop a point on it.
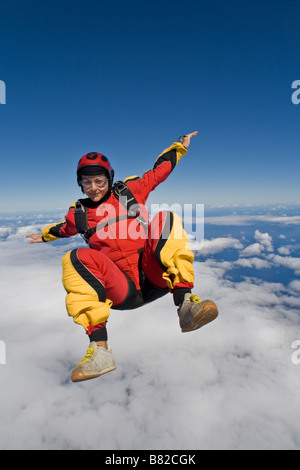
(96, 362)
(194, 313)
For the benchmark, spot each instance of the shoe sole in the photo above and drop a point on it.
(80, 377)
(207, 314)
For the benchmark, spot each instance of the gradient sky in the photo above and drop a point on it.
(128, 78)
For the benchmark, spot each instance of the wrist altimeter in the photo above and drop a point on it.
(181, 139)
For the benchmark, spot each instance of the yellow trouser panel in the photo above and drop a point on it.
(82, 301)
(177, 256)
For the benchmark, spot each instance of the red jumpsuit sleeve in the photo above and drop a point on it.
(163, 166)
(64, 229)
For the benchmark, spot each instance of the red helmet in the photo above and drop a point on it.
(94, 163)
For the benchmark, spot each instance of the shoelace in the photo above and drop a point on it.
(194, 298)
(89, 353)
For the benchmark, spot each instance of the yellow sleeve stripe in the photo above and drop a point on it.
(131, 178)
(180, 150)
(47, 236)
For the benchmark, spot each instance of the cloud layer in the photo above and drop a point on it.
(230, 385)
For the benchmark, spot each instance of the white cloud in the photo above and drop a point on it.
(265, 239)
(295, 285)
(5, 231)
(252, 250)
(284, 250)
(263, 243)
(286, 261)
(21, 232)
(230, 385)
(256, 263)
(216, 245)
(251, 219)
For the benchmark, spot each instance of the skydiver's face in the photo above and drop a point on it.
(95, 187)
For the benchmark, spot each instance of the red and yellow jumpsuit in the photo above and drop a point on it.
(125, 264)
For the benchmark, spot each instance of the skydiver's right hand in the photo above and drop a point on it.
(36, 238)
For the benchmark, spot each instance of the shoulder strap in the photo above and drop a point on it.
(80, 213)
(126, 198)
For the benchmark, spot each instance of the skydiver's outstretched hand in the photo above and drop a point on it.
(187, 138)
(36, 238)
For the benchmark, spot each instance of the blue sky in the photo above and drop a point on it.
(128, 78)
